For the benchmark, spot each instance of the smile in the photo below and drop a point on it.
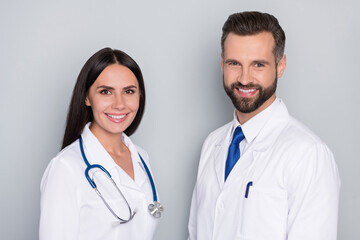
(247, 90)
(116, 116)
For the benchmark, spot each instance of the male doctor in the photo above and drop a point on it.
(264, 175)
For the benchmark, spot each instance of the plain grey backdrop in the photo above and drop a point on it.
(44, 44)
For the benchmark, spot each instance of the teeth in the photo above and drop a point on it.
(116, 116)
(247, 90)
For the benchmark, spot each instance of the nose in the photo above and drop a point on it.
(244, 76)
(118, 102)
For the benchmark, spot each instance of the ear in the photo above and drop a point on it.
(87, 101)
(222, 62)
(281, 66)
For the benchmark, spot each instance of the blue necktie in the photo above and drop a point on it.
(234, 151)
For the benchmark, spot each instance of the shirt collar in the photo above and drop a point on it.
(253, 126)
(97, 154)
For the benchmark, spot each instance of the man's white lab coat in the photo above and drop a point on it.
(295, 189)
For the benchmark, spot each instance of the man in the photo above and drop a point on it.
(264, 175)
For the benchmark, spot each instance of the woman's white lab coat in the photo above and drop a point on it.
(295, 187)
(70, 208)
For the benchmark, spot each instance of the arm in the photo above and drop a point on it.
(192, 227)
(313, 188)
(59, 215)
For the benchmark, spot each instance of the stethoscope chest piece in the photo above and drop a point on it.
(156, 209)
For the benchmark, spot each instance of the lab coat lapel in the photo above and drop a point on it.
(220, 155)
(139, 173)
(272, 129)
(242, 167)
(266, 138)
(125, 180)
(97, 154)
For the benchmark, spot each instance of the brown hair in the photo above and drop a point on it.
(251, 23)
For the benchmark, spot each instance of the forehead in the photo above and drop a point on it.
(250, 46)
(116, 75)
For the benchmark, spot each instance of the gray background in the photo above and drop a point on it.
(44, 44)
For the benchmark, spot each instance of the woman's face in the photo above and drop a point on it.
(114, 100)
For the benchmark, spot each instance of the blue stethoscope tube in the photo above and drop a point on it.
(155, 208)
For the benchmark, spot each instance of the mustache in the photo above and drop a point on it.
(240, 85)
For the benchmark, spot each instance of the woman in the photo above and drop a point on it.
(106, 107)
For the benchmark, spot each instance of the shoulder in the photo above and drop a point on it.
(218, 134)
(213, 139)
(301, 147)
(299, 134)
(67, 155)
(142, 152)
(64, 165)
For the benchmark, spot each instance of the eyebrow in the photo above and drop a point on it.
(262, 62)
(111, 88)
(129, 87)
(254, 61)
(105, 86)
(230, 60)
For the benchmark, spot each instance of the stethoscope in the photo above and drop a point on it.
(154, 208)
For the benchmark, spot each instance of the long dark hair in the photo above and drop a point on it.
(79, 114)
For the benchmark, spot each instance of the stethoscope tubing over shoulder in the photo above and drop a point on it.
(89, 167)
(150, 179)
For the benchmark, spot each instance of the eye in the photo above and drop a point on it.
(259, 65)
(129, 91)
(232, 63)
(105, 92)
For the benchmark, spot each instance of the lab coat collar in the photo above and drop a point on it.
(254, 125)
(277, 120)
(261, 137)
(96, 154)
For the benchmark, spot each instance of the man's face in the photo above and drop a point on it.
(250, 72)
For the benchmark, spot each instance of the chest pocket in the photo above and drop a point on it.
(264, 215)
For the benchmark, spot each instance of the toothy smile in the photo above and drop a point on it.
(116, 116)
(247, 90)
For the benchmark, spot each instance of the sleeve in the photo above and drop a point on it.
(192, 227)
(59, 217)
(314, 185)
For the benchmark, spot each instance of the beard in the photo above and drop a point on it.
(248, 105)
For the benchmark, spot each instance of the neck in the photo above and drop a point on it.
(244, 117)
(111, 142)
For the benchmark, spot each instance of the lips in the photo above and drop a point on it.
(246, 92)
(117, 118)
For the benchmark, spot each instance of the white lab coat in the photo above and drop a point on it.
(70, 208)
(295, 188)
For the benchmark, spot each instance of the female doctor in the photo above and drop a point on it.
(79, 200)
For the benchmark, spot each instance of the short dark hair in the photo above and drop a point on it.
(251, 23)
(79, 114)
